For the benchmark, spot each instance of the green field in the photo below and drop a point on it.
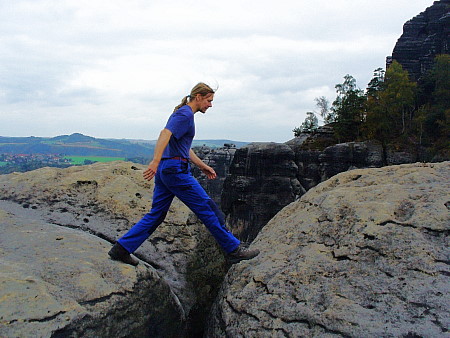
(76, 160)
(3, 163)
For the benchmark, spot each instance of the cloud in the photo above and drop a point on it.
(117, 68)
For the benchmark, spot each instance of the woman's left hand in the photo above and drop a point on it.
(209, 172)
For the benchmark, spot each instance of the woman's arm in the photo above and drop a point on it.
(206, 169)
(161, 144)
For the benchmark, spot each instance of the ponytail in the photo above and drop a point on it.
(183, 103)
(200, 88)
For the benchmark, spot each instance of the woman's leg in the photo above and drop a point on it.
(162, 198)
(191, 193)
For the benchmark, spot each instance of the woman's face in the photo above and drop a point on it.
(205, 102)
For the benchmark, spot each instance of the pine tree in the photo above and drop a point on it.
(398, 98)
(349, 109)
(310, 124)
(435, 103)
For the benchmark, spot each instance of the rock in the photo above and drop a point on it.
(265, 177)
(317, 165)
(59, 282)
(424, 37)
(345, 156)
(220, 160)
(319, 139)
(364, 254)
(309, 171)
(261, 182)
(106, 199)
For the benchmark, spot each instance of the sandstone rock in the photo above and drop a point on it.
(345, 156)
(321, 138)
(317, 165)
(265, 177)
(106, 199)
(220, 160)
(59, 282)
(424, 37)
(364, 254)
(262, 181)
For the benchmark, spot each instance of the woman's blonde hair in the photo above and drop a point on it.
(200, 88)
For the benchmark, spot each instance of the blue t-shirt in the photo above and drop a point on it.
(181, 124)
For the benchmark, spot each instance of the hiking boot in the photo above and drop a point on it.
(119, 253)
(242, 253)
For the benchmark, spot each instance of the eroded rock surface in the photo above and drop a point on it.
(105, 200)
(261, 182)
(59, 282)
(265, 177)
(364, 254)
(220, 159)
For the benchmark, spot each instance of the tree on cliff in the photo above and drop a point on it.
(394, 110)
(434, 101)
(398, 97)
(390, 105)
(324, 109)
(377, 121)
(310, 124)
(349, 109)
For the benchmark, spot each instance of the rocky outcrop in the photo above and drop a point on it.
(316, 166)
(58, 282)
(265, 177)
(105, 200)
(424, 37)
(261, 182)
(364, 254)
(220, 160)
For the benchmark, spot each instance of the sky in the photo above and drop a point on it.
(117, 68)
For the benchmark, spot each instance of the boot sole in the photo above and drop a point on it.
(237, 260)
(132, 261)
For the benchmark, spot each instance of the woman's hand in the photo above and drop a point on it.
(209, 172)
(150, 172)
(206, 169)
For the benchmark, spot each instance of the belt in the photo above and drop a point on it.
(175, 158)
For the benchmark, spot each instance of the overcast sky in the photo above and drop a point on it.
(117, 68)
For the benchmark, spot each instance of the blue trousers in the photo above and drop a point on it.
(173, 178)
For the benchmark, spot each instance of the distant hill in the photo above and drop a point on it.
(82, 145)
(75, 144)
(195, 143)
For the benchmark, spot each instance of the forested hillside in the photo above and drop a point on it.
(405, 106)
(394, 110)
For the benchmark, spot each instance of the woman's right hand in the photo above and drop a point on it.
(150, 172)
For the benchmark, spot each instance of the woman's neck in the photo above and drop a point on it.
(193, 107)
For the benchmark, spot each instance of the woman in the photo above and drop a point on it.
(171, 169)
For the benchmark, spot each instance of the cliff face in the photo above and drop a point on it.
(261, 182)
(424, 37)
(220, 159)
(265, 177)
(364, 254)
(316, 166)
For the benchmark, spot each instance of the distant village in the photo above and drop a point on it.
(25, 162)
(27, 158)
